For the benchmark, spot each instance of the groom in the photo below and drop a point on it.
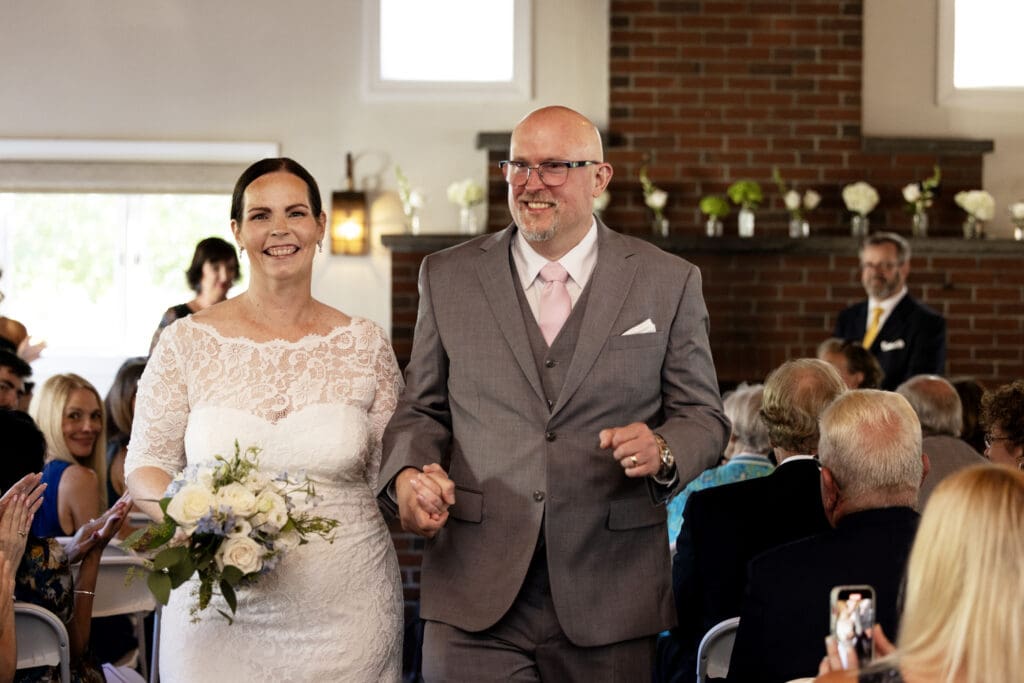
(560, 388)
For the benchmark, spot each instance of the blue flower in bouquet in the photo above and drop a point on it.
(239, 520)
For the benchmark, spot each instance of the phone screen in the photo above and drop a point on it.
(853, 616)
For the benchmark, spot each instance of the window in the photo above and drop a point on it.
(91, 274)
(448, 48)
(978, 53)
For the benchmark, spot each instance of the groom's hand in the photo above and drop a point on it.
(424, 498)
(634, 448)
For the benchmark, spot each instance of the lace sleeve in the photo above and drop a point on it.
(388, 387)
(161, 408)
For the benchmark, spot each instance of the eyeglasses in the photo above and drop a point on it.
(991, 439)
(552, 173)
(884, 266)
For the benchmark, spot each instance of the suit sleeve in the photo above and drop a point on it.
(695, 426)
(930, 353)
(419, 432)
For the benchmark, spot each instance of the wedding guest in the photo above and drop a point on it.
(312, 388)
(971, 392)
(964, 589)
(120, 409)
(214, 269)
(69, 411)
(907, 337)
(13, 372)
(856, 365)
(1002, 413)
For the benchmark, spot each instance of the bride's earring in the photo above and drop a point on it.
(320, 246)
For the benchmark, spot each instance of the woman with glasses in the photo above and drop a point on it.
(1002, 413)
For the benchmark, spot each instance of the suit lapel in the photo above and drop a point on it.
(896, 323)
(609, 285)
(499, 285)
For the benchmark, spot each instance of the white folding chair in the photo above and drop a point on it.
(715, 650)
(42, 639)
(121, 589)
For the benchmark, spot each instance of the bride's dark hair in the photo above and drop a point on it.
(262, 168)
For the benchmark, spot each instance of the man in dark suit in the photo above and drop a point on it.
(536, 456)
(938, 407)
(907, 337)
(871, 468)
(726, 526)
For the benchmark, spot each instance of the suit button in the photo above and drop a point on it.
(551, 404)
(538, 496)
(550, 363)
(550, 436)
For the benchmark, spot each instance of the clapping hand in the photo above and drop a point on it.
(94, 535)
(16, 514)
(27, 486)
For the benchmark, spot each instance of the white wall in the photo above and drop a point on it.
(900, 85)
(265, 70)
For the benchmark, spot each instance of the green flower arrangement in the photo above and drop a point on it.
(746, 194)
(714, 206)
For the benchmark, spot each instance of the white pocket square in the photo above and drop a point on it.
(893, 345)
(646, 327)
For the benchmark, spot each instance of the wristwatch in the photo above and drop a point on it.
(668, 461)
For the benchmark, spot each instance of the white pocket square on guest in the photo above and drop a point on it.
(646, 327)
(893, 345)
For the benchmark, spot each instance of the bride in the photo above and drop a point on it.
(314, 389)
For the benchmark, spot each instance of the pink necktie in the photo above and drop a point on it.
(555, 304)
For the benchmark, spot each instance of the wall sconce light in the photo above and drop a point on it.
(350, 232)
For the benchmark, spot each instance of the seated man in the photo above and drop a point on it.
(871, 469)
(13, 372)
(937, 405)
(724, 527)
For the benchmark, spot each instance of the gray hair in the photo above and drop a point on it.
(744, 410)
(795, 393)
(936, 403)
(877, 238)
(871, 442)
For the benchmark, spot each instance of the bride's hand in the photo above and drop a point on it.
(424, 498)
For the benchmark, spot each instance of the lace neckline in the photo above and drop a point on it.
(311, 339)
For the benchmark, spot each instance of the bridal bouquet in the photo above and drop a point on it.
(229, 522)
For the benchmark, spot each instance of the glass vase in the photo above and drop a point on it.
(919, 227)
(659, 226)
(746, 223)
(467, 221)
(714, 226)
(413, 221)
(859, 225)
(799, 228)
(1018, 232)
(974, 229)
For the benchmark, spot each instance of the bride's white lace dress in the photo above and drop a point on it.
(328, 612)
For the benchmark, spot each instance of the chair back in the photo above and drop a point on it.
(42, 639)
(715, 650)
(121, 585)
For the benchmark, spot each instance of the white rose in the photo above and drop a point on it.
(287, 541)
(1017, 211)
(860, 198)
(656, 199)
(238, 498)
(792, 200)
(811, 200)
(189, 504)
(256, 481)
(241, 529)
(911, 193)
(271, 509)
(244, 553)
(416, 199)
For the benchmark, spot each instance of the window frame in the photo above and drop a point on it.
(947, 94)
(519, 88)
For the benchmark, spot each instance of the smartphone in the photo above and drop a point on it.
(853, 621)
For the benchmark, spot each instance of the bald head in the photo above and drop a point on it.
(936, 403)
(572, 127)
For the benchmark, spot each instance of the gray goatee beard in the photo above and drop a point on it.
(544, 236)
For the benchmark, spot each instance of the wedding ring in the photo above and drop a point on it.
(635, 462)
(22, 533)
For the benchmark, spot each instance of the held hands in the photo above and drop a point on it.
(424, 498)
(634, 448)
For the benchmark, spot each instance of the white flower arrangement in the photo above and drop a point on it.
(238, 522)
(918, 196)
(1017, 213)
(601, 201)
(654, 197)
(465, 193)
(794, 202)
(411, 198)
(860, 198)
(978, 204)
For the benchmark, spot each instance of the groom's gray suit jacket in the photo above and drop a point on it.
(475, 402)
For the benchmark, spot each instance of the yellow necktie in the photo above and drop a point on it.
(872, 331)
